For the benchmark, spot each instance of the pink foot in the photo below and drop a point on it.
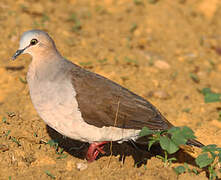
(94, 149)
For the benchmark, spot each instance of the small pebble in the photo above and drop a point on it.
(161, 94)
(81, 166)
(158, 94)
(161, 64)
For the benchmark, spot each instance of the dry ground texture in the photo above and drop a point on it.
(163, 50)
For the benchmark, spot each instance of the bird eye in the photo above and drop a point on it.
(33, 42)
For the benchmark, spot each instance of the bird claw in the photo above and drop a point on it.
(94, 150)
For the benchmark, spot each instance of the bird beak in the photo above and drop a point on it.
(17, 53)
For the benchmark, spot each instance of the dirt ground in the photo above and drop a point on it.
(165, 51)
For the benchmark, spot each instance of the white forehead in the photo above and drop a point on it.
(32, 34)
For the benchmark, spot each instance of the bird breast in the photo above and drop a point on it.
(56, 104)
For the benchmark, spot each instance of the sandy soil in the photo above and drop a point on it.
(150, 48)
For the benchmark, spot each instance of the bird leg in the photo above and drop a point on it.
(94, 149)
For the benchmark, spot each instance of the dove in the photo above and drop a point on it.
(83, 105)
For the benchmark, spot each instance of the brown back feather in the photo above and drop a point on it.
(98, 99)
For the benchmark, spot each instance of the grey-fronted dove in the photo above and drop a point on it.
(83, 105)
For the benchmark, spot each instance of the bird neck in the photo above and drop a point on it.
(45, 67)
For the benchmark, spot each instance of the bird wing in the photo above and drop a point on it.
(105, 103)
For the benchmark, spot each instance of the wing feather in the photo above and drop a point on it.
(98, 99)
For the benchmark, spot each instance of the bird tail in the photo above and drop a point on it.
(193, 142)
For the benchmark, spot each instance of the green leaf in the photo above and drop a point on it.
(35, 134)
(205, 91)
(195, 171)
(86, 64)
(188, 133)
(210, 148)
(102, 61)
(4, 119)
(49, 174)
(150, 143)
(23, 80)
(172, 159)
(63, 156)
(133, 27)
(212, 172)
(187, 110)
(178, 138)
(15, 141)
(187, 167)
(212, 97)
(213, 155)
(152, 1)
(179, 169)
(203, 160)
(60, 151)
(173, 130)
(138, 2)
(209, 96)
(53, 143)
(218, 149)
(131, 61)
(181, 135)
(145, 166)
(194, 77)
(219, 155)
(8, 132)
(168, 145)
(145, 132)
(160, 157)
(185, 131)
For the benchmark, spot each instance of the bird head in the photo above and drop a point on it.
(34, 42)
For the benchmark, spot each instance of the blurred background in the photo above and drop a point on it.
(166, 51)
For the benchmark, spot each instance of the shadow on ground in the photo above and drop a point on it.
(139, 152)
